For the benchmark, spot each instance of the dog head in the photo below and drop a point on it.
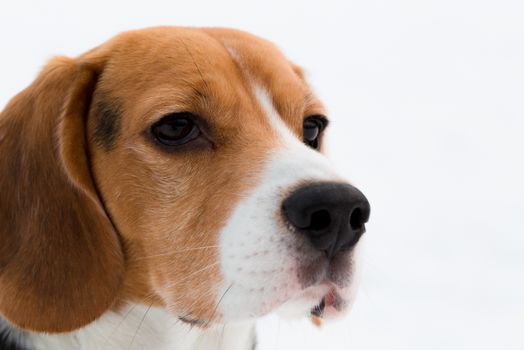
(173, 167)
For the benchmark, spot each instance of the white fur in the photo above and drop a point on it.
(139, 327)
(260, 255)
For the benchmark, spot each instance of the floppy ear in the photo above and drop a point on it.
(61, 263)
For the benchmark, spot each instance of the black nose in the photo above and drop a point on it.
(331, 215)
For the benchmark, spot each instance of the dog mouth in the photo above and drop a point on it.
(318, 310)
(330, 304)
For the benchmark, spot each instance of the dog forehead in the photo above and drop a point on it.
(205, 58)
(265, 67)
(167, 55)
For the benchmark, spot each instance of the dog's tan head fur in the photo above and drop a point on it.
(95, 212)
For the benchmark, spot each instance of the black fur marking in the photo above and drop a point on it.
(10, 339)
(107, 114)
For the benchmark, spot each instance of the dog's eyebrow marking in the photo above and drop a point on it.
(107, 113)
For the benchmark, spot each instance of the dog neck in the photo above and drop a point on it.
(134, 327)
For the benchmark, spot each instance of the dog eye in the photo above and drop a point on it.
(313, 127)
(176, 129)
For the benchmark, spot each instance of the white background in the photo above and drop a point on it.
(427, 103)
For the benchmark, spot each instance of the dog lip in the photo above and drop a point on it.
(331, 299)
(318, 309)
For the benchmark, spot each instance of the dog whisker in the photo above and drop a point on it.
(219, 344)
(177, 252)
(139, 326)
(178, 282)
(194, 62)
(113, 332)
(218, 303)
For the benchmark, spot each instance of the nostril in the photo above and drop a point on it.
(356, 219)
(320, 220)
(330, 215)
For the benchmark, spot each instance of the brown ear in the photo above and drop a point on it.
(61, 263)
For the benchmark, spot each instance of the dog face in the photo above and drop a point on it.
(204, 150)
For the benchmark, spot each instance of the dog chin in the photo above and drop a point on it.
(324, 302)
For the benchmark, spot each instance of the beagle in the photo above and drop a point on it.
(163, 191)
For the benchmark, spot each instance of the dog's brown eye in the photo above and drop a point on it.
(313, 127)
(176, 129)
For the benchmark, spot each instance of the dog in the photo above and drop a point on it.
(164, 191)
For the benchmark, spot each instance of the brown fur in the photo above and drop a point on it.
(62, 264)
(89, 222)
